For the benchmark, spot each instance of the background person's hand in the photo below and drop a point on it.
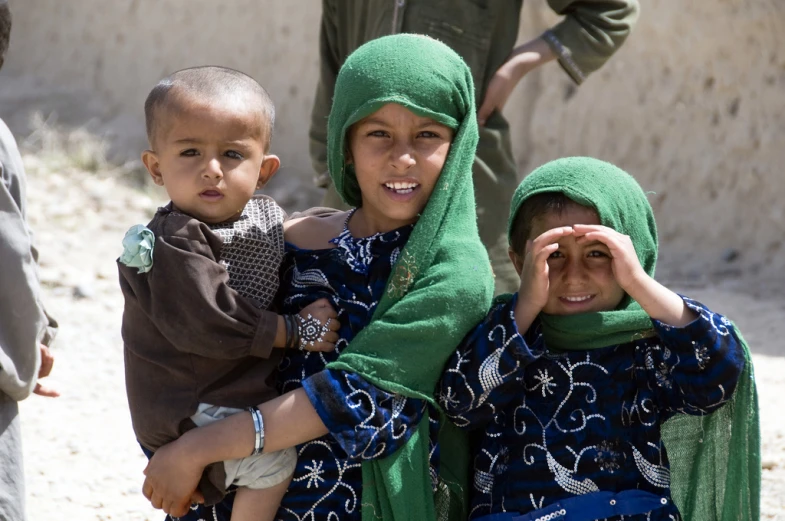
(523, 59)
(498, 92)
(47, 362)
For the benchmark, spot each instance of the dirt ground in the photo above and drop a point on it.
(81, 458)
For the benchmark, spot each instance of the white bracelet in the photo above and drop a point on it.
(258, 425)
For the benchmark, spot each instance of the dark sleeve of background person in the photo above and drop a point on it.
(329, 65)
(590, 32)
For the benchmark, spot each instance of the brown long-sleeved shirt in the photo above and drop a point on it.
(190, 336)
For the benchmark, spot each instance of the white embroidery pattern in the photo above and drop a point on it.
(313, 477)
(657, 475)
(657, 369)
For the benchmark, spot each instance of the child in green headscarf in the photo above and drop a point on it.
(409, 277)
(573, 379)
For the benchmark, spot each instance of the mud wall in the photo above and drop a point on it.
(694, 106)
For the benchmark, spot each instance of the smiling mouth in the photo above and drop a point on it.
(577, 299)
(401, 188)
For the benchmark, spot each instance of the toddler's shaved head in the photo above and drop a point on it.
(208, 83)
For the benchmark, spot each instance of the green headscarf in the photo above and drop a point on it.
(715, 459)
(441, 285)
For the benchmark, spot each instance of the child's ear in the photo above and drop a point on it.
(153, 166)
(517, 260)
(270, 166)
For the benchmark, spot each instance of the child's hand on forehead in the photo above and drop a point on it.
(658, 301)
(535, 284)
(627, 269)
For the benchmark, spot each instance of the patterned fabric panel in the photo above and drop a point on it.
(253, 248)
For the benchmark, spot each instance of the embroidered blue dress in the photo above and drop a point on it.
(558, 425)
(364, 421)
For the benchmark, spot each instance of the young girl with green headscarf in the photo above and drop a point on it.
(409, 277)
(600, 393)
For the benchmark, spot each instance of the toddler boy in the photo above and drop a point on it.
(198, 280)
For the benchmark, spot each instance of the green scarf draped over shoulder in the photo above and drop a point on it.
(715, 459)
(441, 285)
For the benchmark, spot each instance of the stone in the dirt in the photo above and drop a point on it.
(84, 290)
(730, 255)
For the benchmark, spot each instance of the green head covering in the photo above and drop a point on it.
(441, 284)
(620, 204)
(715, 459)
(614, 194)
(380, 72)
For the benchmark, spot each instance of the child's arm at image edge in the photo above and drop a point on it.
(703, 361)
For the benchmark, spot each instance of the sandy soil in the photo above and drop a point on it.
(81, 457)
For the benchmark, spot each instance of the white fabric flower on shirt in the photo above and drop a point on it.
(138, 248)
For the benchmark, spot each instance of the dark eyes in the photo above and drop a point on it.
(232, 154)
(424, 134)
(597, 254)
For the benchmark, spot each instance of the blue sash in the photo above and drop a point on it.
(589, 507)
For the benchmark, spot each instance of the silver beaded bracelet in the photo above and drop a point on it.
(258, 426)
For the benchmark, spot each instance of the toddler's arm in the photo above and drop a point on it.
(698, 365)
(187, 297)
(480, 377)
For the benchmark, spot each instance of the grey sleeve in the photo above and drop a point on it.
(590, 33)
(23, 321)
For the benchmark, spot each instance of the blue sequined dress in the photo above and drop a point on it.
(562, 424)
